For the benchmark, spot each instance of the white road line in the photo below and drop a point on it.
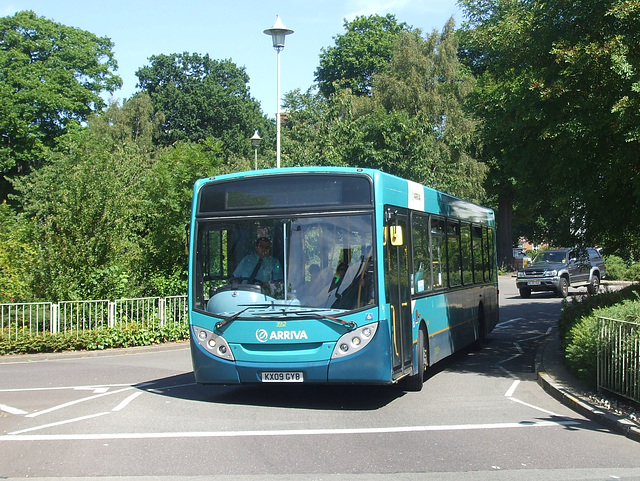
(77, 401)
(124, 403)
(36, 428)
(75, 388)
(512, 389)
(504, 323)
(11, 410)
(535, 407)
(292, 432)
(538, 336)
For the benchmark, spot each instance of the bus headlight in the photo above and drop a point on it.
(354, 341)
(216, 345)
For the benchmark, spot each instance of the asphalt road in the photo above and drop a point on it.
(137, 413)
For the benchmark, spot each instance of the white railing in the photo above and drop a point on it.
(619, 357)
(38, 318)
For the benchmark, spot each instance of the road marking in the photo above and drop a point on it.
(512, 389)
(535, 407)
(59, 423)
(292, 432)
(77, 401)
(75, 388)
(504, 323)
(11, 410)
(126, 401)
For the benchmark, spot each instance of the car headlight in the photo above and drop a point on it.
(551, 273)
(354, 341)
(520, 273)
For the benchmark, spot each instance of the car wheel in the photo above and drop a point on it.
(563, 288)
(525, 292)
(594, 286)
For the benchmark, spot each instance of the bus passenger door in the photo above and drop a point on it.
(397, 289)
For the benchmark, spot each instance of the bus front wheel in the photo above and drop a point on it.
(416, 381)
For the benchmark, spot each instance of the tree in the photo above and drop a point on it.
(85, 212)
(412, 125)
(559, 93)
(362, 51)
(51, 76)
(168, 190)
(201, 98)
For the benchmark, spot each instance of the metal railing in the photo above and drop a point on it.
(38, 318)
(618, 366)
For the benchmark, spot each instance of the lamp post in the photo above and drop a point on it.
(255, 140)
(278, 32)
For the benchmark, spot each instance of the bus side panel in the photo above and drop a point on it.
(451, 319)
(371, 365)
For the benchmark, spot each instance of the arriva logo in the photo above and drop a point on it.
(263, 336)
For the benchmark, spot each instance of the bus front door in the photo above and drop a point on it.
(397, 289)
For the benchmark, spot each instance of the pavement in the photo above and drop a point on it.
(556, 379)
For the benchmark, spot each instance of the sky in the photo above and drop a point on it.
(229, 30)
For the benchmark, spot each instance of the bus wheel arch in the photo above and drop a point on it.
(415, 381)
(480, 329)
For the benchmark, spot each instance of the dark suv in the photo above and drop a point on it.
(557, 269)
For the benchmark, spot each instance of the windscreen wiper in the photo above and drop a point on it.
(313, 315)
(229, 319)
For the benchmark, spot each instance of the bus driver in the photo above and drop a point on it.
(260, 266)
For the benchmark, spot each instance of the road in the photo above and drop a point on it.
(137, 413)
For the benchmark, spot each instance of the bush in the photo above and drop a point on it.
(579, 330)
(616, 268)
(92, 340)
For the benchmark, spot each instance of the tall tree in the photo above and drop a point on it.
(51, 75)
(412, 125)
(559, 91)
(358, 54)
(200, 98)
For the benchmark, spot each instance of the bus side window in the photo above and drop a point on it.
(421, 274)
(438, 253)
(453, 253)
(467, 260)
(478, 257)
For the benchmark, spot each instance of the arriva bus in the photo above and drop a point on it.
(334, 275)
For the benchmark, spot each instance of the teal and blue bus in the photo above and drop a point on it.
(371, 278)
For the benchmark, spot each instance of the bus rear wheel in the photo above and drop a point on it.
(416, 381)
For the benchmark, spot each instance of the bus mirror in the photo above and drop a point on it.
(396, 235)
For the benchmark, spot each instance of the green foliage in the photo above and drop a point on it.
(558, 90)
(618, 269)
(51, 76)
(202, 98)
(409, 127)
(364, 50)
(581, 353)
(578, 326)
(84, 210)
(93, 340)
(16, 257)
(168, 192)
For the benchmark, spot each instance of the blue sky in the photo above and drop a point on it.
(229, 30)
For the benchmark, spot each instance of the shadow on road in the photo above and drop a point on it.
(308, 396)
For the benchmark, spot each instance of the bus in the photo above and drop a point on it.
(367, 278)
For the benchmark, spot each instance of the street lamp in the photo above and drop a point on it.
(278, 32)
(255, 140)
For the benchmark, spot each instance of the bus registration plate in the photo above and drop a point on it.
(282, 377)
